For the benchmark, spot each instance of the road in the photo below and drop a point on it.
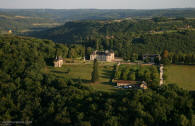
(161, 74)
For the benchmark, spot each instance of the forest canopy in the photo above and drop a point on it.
(127, 37)
(28, 93)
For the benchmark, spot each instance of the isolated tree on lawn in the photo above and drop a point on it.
(95, 72)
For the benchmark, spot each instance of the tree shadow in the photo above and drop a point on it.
(59, 72)
(81, 80)
(192, 93)
(106, 74)
(108, 83)
(49, 61)
(184, 64)
(77, 80)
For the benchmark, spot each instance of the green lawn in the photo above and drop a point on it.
(83, 71)
(182, 75)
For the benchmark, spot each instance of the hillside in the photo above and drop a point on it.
(61, 15)
(29, 92)
(78, 31)
(22, 24)
(126, 37)
(23, 20)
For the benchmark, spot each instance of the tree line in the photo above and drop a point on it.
(177, 58)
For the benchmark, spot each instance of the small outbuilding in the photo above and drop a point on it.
(143, 85)
(58, 62)
(151, 57)
(10, 32)
(126, 82)
(131, 84)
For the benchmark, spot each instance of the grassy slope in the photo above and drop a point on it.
(83, 71)
(183, 75)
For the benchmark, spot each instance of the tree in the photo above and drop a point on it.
(132, 76)
(140, 74)
(193, 59)
(156, 60)
(71, 53)
(134, 57)
(68, 70)
(117, 74)
(95, 72)
(147, 76)
(124, 75)
(89, 50)
(165, 57)
(165, 54)
(175, 58)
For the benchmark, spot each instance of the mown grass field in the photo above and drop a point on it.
(182, 75)
(83, 71)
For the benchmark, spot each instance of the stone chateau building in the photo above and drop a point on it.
(58, 62)
(102, 55)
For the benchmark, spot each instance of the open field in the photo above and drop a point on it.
(182, 75)
(78, 70)
(83, 72)
(46, 24)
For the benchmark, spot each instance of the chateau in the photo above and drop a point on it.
(102, 56)
(58, 62)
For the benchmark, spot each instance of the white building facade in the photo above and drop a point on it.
(102, 56)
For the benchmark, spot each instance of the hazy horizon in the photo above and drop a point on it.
(94, 4)
(97, 8)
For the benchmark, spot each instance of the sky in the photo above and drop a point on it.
(97, 4)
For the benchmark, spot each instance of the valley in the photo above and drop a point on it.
(97, 67)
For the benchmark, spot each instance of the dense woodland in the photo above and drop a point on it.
(130, 33)
(29, 93)
(129, 39)
(82, 31)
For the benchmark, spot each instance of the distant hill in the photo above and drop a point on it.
(124, 31)
(20, 22)
(61, 15)
(23, 20)
(82, 31)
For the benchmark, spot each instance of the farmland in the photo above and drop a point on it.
(182, 75)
